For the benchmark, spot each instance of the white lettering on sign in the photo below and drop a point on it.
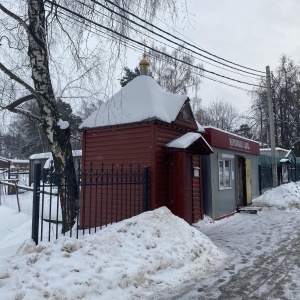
(239, 144)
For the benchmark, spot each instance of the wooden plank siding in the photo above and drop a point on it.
(164, 134)
(103, 203)
(197, 205)
(123, 145)
(118, 145)
(172, 176)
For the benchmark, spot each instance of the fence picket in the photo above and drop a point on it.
(107, 195)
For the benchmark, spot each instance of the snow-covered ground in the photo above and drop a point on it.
(158, 256)
(129, 260)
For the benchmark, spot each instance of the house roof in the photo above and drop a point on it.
(46, 155)
(276, 149)
(140, 100)
(187, 140)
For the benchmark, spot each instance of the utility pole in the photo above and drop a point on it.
(261, 128)
(272, 129)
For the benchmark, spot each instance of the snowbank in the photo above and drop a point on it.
(131, 259)
(284, 197)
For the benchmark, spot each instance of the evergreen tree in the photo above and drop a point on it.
(244, 131)
(129, 75)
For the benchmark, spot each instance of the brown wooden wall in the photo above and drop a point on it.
(142, 144)
(172, 196)
(163, 134)
(4, 164)
(176, 185)
(126, 145)
(197, 205)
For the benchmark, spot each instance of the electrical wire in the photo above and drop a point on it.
(131, 45)
(128, 26)
(146, 46)
(200, 49)
(169, 40)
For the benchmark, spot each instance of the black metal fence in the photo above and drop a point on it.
(287, 173)
(106, 195)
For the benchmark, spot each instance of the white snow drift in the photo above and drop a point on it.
(133, 258)
(285, 197)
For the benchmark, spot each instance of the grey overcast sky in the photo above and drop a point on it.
(252, 33)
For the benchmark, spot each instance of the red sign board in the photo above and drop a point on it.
(223, 139)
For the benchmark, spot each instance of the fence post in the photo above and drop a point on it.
(259, 178)
(36, 202)
(145, 189)
(279, 175)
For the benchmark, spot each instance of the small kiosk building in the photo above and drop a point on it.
(230, 174)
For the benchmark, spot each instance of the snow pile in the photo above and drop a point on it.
(14, 227)
(132, 259)
(284, 197)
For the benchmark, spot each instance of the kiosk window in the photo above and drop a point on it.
(224, 173)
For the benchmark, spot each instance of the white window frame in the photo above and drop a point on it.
(226, 182)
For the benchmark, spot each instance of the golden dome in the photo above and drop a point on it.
(144, 63)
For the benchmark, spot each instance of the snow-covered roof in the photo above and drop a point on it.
(19, 161)
(200, 127)
(290, 151)
(4, 159)
(77, 152)
(186, 140)
(48, 155)
(40, 155)
(284, 160)
(140, 100)
(276, 149)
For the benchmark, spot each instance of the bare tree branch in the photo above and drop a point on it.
(19, 101)
(17, 18)
(19, 80)
(76, 79)
(25, 113)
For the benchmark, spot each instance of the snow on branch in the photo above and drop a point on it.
(63, 124)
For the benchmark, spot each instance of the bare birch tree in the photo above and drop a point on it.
(52, 49)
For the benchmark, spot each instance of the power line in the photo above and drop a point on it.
(247, 76)
(144, 27)
(148, 47)
(202, 50)
(140, 48)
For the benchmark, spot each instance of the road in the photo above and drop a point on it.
(263, 259)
